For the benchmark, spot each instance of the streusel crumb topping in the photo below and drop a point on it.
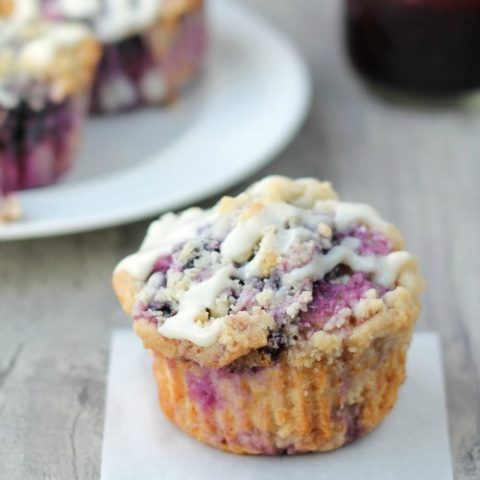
(42, 60)
(285, 261)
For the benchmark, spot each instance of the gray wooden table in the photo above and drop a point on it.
(420, 165)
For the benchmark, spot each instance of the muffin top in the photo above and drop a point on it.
(40, 59)
(283, 268)
(113, 20)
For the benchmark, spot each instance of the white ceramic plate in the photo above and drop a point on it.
(251, 100)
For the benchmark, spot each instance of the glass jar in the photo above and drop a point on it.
(421, 46)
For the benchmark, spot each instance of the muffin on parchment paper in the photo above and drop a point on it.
(151, 48)
(46, 71)
(279, 320)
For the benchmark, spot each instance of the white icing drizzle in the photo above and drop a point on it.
(194, 301)
(114, 19)
(279, 242)
(39, 53)
(241, 240)
(349, 214)
(162, 235)
(384, 269)
(393, 264)
(29, 45)
(80, 8)
(24, 12)
(275, 227)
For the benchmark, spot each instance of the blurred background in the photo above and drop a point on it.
(397, 136)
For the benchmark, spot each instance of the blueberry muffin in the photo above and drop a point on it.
(279, 320)
(45, 75)
(151, 48)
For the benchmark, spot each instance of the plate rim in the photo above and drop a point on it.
(290, 53)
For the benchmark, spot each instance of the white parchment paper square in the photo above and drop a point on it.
(140, 444)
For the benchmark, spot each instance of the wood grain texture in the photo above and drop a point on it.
(420, 165)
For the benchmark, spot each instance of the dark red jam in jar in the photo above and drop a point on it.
(421, 46)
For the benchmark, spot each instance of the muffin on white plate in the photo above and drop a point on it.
(279, 320)
(46, 71)
(151, 48)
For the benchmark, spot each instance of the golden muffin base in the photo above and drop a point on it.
(283, 409)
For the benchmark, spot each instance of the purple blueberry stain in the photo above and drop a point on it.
(202, 390)
(142, 311)
(162, 264)
(37, 144)
(246, 298)
(262, 442)
(329, 298)
(372, 242)
(131, 60)
(352, 418)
